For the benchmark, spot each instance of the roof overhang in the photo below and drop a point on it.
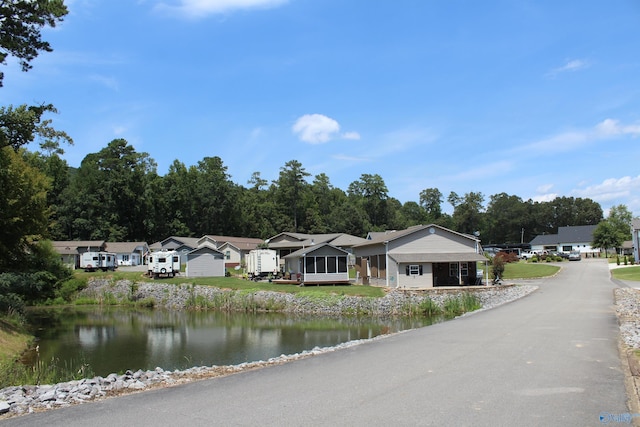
(438, 257)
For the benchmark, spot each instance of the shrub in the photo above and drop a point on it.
(69, 288)
(428, 307)
(497, 267)
(507, 257)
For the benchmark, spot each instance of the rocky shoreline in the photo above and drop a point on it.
(25, 399)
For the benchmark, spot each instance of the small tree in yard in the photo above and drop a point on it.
(497, 268)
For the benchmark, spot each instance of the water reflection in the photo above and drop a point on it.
(114, 339)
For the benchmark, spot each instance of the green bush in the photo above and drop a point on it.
(70, 288)
(428, 307)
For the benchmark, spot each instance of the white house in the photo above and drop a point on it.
(419, 257)
(571, 238)
(128, 253)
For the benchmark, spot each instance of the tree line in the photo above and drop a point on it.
(117, 194)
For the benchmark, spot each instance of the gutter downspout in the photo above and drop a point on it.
(386, 262)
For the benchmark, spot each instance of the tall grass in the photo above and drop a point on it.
(42, 372)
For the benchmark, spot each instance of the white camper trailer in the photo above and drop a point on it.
(262, 263)
(92, 261)
(164, 263)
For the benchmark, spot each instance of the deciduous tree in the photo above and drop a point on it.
(20, 24)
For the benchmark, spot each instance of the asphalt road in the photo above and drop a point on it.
(549, 359)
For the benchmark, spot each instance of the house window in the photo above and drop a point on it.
(321, 266)
(342, 264)
(464, 269)
(227, 255)
(310, 264)
(453, 269)
(414, 270)
(125, 257)
(332, 266)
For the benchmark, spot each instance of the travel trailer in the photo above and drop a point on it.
(261, 263)
(92, 261)
(164, 263)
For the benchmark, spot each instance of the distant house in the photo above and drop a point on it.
(419, 257)
(318, 264)
(233, 248)
(287, 243)
(205, 261)
(182, 245)
(571, 238)
(71, 250)
(128, 253)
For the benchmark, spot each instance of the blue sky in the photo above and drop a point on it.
(532, 98)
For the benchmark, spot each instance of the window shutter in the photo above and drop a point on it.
(407, 270)
(420, 269)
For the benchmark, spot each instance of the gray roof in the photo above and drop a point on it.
(126, 247)
(570, 234)
(305, 251)
(206, 247)
(302, 240)
(191, 242)
(244, 243)
(65, 247)
(376, 238)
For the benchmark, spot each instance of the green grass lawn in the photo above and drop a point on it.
(627, 273)
(519, 270)
(241, 284)
(526, 270)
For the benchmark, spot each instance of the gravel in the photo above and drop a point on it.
(627, 302)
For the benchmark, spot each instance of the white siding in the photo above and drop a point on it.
(414, 281)
(326, 277)
(440, 241)
(205, 264)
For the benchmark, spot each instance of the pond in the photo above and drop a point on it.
(114, 339)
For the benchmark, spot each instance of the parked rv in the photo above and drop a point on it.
(92, 261)
(262, 263)
(164, 263)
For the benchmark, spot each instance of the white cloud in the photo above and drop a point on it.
(201, 8)
(315, 128)
(568, 141)
(318, 129)
(351, 135)
(610, 128)
(344, 157)
(545, 188)
(548, 197)
(611, 189)
(570, 66)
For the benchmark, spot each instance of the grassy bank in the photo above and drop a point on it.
(13, 340)
(519, 270)
(239, 284)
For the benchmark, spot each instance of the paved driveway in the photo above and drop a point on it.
(549, 359)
